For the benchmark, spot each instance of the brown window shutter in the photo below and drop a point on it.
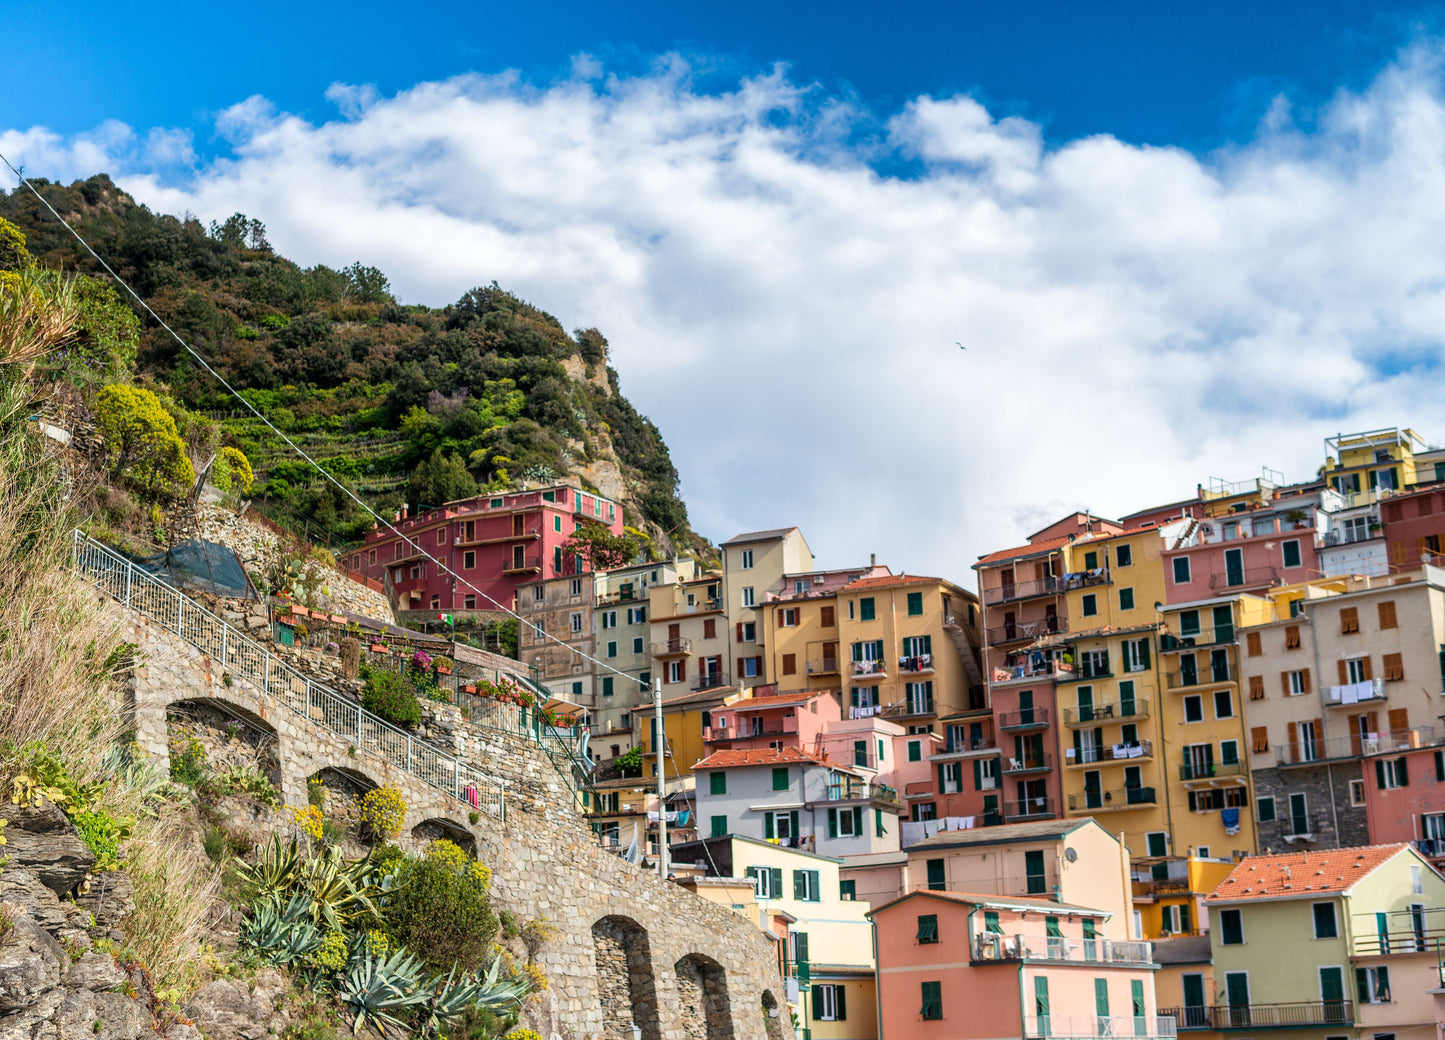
(1291, 637)
(829, 618)
(1394, 667)
(1293, 742)
(1398, 552)
(1399, 719)
(758, 664)
(1259, 738)
(1252, 642)
(1305, 679)
(790, 664)
(1256, 687)
(1369, 671)
(1349, 620)
(1387, 614)
(780, 617)
(742, 666)
(740, 632)
(1344, 672)
(1284, 683)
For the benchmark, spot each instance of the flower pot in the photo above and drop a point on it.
(442, 670)
(469, 689)
(377, 648)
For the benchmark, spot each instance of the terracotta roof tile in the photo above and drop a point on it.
(1301, 873)
(884, 581)
(761, 757)
(1024, 550)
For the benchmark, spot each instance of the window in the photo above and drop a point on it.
(915, 751)
(436, 602)
(1181, 570)
(469, 602)
(576, 589)
(609, 619)
(1357, 793)
(865, 609)
(932, 1010)
(747, 595)
(768, 881)
(709, 628)
(1373, 984)
(1394, 667)
(827, 617)
(748, 667)
(676, 672)
(1252, 644)
(1090, 605)
(829, 1004)
(788, 617)
(848, 891)
(1386, 609)
(717, 782)
(1326, 927)
(1174, 919)
(936, 882)
(805, 886)
(1194, 708)
(745, 560)
(636, 615)
(1417, 881)
(1259, 739)
(928, 928)
(1265, 805)
(1188, 623)
(576, 623)
(1256, 687)
(1231, 927)
(719, 827)
(1356, 669)
(1296, 683)
(537, 594)
(1136, 655)
(1223, 705)
(915, 604)
(780, 778)
(1126, 599)
(1291, 633)
(607, 686)
(612, 648)
(1349, 620)
(1123, 555)
(637, 645)
(469, 560)
(1229, 752)
(1291, 553)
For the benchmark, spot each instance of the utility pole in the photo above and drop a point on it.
(659, 747)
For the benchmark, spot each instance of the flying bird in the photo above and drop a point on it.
(959, 345)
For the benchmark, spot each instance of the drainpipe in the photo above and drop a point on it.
(1320, 675)
(878, 982)
(1161, 691)
(659, 748)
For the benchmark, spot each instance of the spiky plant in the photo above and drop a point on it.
(384, 990)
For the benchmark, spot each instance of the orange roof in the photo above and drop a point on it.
(884, 581)
(1024, 550)
(1301, 873)
(761, 757)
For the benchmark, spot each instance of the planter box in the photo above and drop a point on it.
(340, 619)
(469, 689)
(300, 611)
(377, 648)
(444, 671)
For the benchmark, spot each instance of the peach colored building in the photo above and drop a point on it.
(967, 966)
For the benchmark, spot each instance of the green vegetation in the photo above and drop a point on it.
(401, 403)
(390, 695)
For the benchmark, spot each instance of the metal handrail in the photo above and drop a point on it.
(320, 705)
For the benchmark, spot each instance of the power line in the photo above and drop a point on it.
(294, 447)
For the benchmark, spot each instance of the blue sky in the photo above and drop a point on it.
(1180, 241)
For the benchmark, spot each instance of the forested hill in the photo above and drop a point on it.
(405, 403)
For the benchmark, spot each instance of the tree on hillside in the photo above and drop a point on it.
(442, 478)
(109, 332)
(141, 437)
(368, 284)
(601, 548)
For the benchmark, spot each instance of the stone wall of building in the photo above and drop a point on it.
(1333, 821)
(694, 969)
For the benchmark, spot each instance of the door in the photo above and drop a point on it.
(1332, 993)
(1309, 750)
(1007, 578)
(519, 557)
(1219, 665)
(1236, 995)
(1188, 670)
(1234, 566)
(1010, 625)
(1127, 704)
(1038, 882)
(1417, 925)
(1026, 707)
(1223, 625)
(1198, 761)
(1051, 617)
(1093, 789)
(1299, 821)
(1086, 703)
(1195, 1015)
(518, 526)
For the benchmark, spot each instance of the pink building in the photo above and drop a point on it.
(962, 965)
(493, 542)
(769, 719)
(1244, 547)
(1405, 796)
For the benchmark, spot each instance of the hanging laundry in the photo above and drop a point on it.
(1230, 819)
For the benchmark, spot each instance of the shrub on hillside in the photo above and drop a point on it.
(383, 810)
(439, 909)
(389, 695)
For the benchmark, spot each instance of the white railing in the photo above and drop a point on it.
(994, 947)
(320, 705)
(1089, 1027)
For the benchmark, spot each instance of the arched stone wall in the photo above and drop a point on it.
(702, 998)
(626, 983)
(772, 1015)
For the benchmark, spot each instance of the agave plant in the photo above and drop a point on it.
(340, 890)
(277, 869)
(383, 989)
(452, 996)
(281, 936)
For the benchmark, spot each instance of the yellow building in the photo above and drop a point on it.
(909, 649)
(1108, 683)
(1357, 464)
(1184, 985)
(1169, 895)
(685, 716)
(753, 564)
(800, 633)
(689, 637)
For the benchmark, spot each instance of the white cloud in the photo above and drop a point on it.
(1137, 319)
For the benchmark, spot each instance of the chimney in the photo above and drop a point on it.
(873, 559)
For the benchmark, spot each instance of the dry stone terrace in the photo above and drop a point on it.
(629, 948)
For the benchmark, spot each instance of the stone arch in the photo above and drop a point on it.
(435, 827)
(702, 998)
(772, 1016)
(232, 734)
(626, 988)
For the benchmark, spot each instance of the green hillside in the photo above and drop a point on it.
(403, 403)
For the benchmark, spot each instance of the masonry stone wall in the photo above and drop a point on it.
(1326, 787)
(704, 967)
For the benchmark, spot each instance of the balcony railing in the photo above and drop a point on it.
(1094, 714)
(1308, 752)
(1088, 667)
(1348, 696)
(1020, 672)
(1189, 772)
(1398, 943)
(1019, 631)
(868, 669)
(1108, 753)
(1170, 886)
(823, 666)
(1090, 1027)
(861, 792)
(672, 648)
(1264, 1016)
(916, 665)
(745, 729)
(1023, 590)
(622, 596)
(523, 564)
(1431, 848)
(992, 947)
(1027, 718)
(1207, 676)
(1197, 1017)
(1172, 644)
(1120, 798)
(1029, 764)
(1244, 578)
(1027, 808)
(710, 681)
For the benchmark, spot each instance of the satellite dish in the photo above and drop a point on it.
(1070, 854)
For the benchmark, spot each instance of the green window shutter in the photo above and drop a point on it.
(915, 603)
(977, 775)
(936, 881)
(719, 826)
(815, 888)
(865, 608)
(879, 830)
(1051, 927)
(1402, 771)
(1090, 929)
(1041, 996)
(717, 782)
(776, 877)
(847, 890)
(1382, 983)
(607, 686)
(1440, 765)
(1362, 986)
(817, 1001)
(802, 940)
(780, 778)
(832, 823)
(768, 831)
(1136, 987)
(800, 885)
(880, 752)
(932, 1000)
(1144, 653)
(1380, 773)
(1101, 997)
(857, 821)
(927, 928)
(840, 1004)
(793, 819)
(1184, 917)
(990, 922)
(915, 754)
(860, 752)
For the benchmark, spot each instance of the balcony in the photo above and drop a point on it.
(1310, 752)
(1172, 644)
(1205, 775)
(1119, 798)
(1024, 631)
(1022, 672)
(868, 670)
(982, 747)
(1025, 719)
(710, 681)
(672, 648)
(1023, 590)
(1210, 676)
(749, 728)
(1089, 667)
(992, 947)
(1029, 764)
(525, 564)
(1368, 692)
(920, 664)
(1431, 848)
(1243, 578)
(1167, 886)
(1197, 1017)
(862, 791)
(1138, 708)
(823, 666)
(1090, 1027)
(1278, 1016)
(1029, 809)
(528, 534)
(1109, 754)
(1399, 943)
(607, 599)
(909, 707)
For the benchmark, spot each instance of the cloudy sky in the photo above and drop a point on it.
(785, 266)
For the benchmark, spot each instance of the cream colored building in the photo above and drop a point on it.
(689, 634)
(753, 564)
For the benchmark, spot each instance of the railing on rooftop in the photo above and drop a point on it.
(1097, 1027)
(992, 947)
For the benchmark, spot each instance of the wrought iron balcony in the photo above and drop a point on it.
(1093, 715)
(1027, 718)
(1267, 1016)
(1029, 809)
(1120, 798)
